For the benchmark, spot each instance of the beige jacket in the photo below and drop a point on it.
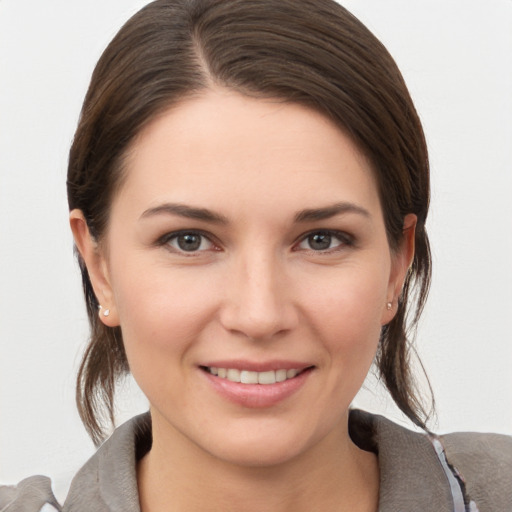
(453, 473)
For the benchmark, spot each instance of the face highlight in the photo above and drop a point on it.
(249, 269)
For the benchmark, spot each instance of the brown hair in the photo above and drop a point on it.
(312, 52)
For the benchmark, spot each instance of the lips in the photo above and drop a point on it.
(253, 377)
(256, 385)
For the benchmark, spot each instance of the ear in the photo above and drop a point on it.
(401, 260)
(97, 268)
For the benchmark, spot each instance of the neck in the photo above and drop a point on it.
(334, 475)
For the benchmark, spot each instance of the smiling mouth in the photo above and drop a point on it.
(251, 377)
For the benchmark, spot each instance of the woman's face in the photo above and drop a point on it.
(248, 243)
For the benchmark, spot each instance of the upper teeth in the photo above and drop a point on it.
(247, 377)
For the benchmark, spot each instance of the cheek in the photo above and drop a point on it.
(354, 298)
(346, 314)
(162, 316)
(160, 311)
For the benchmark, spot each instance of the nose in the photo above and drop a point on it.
(258, 300)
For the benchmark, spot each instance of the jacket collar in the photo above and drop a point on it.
(411, 476)
(108, 480)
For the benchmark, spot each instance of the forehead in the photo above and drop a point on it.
(225, 146)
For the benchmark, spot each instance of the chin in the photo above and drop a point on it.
(262, 443)
(258, 453)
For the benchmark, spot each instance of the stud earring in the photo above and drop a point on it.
(105, 313)
(389, 305)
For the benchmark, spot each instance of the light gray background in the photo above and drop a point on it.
(456, 56)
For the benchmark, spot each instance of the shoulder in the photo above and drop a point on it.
(108, 480)
(484, 462)
(426, 472)
(34, 494)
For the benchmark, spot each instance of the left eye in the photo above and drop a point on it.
(323, 241)
(189, 242)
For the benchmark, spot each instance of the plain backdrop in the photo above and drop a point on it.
(456, 56)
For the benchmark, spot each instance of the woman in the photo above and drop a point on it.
(248, 188)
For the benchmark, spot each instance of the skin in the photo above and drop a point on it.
(257, 289)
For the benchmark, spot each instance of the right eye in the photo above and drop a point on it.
(188, 242)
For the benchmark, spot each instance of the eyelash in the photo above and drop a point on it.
(344, 238)
(169, 237)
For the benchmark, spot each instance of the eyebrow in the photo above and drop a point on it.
(307, 215)
(314, 214)
(188, 212)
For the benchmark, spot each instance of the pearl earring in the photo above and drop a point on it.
(389, 305)
(105, 313)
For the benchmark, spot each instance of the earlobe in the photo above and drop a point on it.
(97, 268)
(401, 262)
